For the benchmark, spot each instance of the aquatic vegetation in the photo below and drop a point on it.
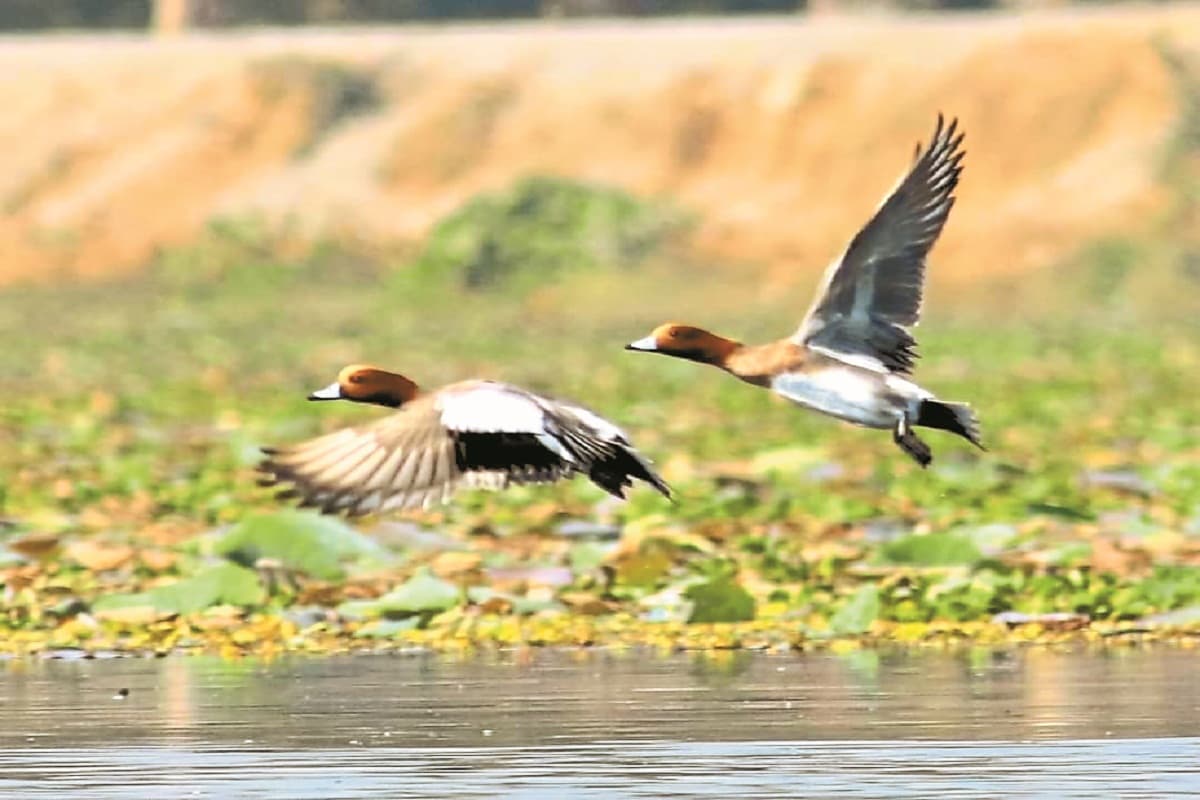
(131, 518)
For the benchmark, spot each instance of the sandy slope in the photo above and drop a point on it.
(782, 132)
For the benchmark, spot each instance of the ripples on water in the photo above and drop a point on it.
(590, 724)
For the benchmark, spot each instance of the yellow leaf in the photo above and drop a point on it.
(455, 564)
(131, 615)
(99, 556)
(158, 560)
(586, 603)
(35, 545)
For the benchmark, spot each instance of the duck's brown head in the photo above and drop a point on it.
(361, 383)
(686, 341)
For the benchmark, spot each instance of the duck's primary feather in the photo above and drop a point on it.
(874, 291)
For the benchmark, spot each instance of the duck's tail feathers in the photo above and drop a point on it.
(954, 417)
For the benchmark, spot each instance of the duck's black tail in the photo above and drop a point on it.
(954, 417)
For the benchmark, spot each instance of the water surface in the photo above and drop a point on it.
(594, 724)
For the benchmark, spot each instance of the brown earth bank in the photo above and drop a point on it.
(782, 133)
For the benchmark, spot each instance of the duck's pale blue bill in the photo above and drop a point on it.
(331, 392)
(647, 344)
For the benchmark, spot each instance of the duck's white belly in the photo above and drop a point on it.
(853, 394)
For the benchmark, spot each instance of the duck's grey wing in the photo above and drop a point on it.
(873, 292)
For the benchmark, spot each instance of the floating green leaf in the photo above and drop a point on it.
(423, 592)
(720, 600)
(931, 550)
(224, 584)
(857, 614)
(359, 609)
(309, 543)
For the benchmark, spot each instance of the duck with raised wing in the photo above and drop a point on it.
(852, 356)
(478, 434)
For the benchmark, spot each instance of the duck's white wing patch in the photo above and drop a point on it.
(499, 408)
(874, 291)
(492, 408)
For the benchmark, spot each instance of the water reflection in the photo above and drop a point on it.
(592, 724)
(539, 697)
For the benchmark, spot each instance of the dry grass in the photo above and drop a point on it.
(781, 133)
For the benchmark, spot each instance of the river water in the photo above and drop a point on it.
(548, 724)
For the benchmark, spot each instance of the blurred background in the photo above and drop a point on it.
(211, 206)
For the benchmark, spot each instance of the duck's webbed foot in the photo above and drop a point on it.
(910, 443)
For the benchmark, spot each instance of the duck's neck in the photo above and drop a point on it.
(714, 350)
(760, 363)
(723, 352)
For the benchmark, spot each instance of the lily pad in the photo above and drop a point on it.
(423, 592)
(224, 584)
(386, 628)
(858, 613)
(721, 599)
(308, 543)
(359, 609)
(931, 550)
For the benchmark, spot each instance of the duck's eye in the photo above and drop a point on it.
(356, 378)
(673, 333)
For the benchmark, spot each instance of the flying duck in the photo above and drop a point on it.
(852, 356)
(477, 434)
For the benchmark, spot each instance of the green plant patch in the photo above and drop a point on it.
(720, 600)
(309, 543)
(224, 584)
(130, 435)
(857, 614)
(540, 228)
(422, 593)
(932, 550)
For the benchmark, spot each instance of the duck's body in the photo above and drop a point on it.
(476, 434)
(852, 356)
(847, 391)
